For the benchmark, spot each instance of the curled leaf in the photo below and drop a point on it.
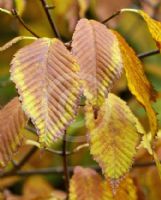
(97, 51)
(45, 74)
(113, 137)
(153, 25)
(12, 121)
(137, 81)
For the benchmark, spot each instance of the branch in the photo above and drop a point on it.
(51, 22)
(149, 53)
(60, 170)
(14, 13)
(111, 17)
(65, 164)
(20, 164)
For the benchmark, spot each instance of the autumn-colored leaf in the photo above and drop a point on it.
(86, 184)
(137, 81)
(153, 25)
(113, 137)
(46, 77)
(97, 51)
(42, 190)
(12, 121)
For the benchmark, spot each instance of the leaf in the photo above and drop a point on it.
(86, 184)
(137, 81)
(153, 25)
(46, 79)
(158, 164)
(20, 6)
(14, 41)
(83, 6)
(12, 121)
(113, 137)
(97, 51)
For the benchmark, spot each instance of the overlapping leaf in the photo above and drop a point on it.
(97, 51)
(46, 79)
(113, 137)
(12, 121)
(137, 81)
(86, 184)
(153, 25)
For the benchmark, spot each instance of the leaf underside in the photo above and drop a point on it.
(97, 51)
(12, 121)
(45, 74)
(113, 137)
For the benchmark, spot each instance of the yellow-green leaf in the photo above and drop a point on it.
(12, 121)
(137, 81)
(46, 77)
(20, 6)
(97, 51)
(113, 137)
(153, 25)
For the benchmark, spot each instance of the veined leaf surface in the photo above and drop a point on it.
(86, 184)
(137, 81)
(97, 51)
(46, 77)
(12, 121)
(113, 137)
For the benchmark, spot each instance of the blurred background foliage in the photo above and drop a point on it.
(66, 13)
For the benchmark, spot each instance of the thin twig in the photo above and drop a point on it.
(60, 170)
(51, 22)
(61, 153)
(111, 17)
(20, 164)
(14, 13)
(149, 53)
(65, 163)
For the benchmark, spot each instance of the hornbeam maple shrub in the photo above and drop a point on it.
(52, 77)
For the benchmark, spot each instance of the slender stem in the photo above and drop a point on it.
(51, 22)
(14, 13)
(61, 153)
(147, 54)
(111, 17)
(60, 170)
(20, 164)
(65, 164)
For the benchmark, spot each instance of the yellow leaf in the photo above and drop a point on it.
(137, 81)
(83, 5)
(20, 6)
(113, 137)
(153, 25)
